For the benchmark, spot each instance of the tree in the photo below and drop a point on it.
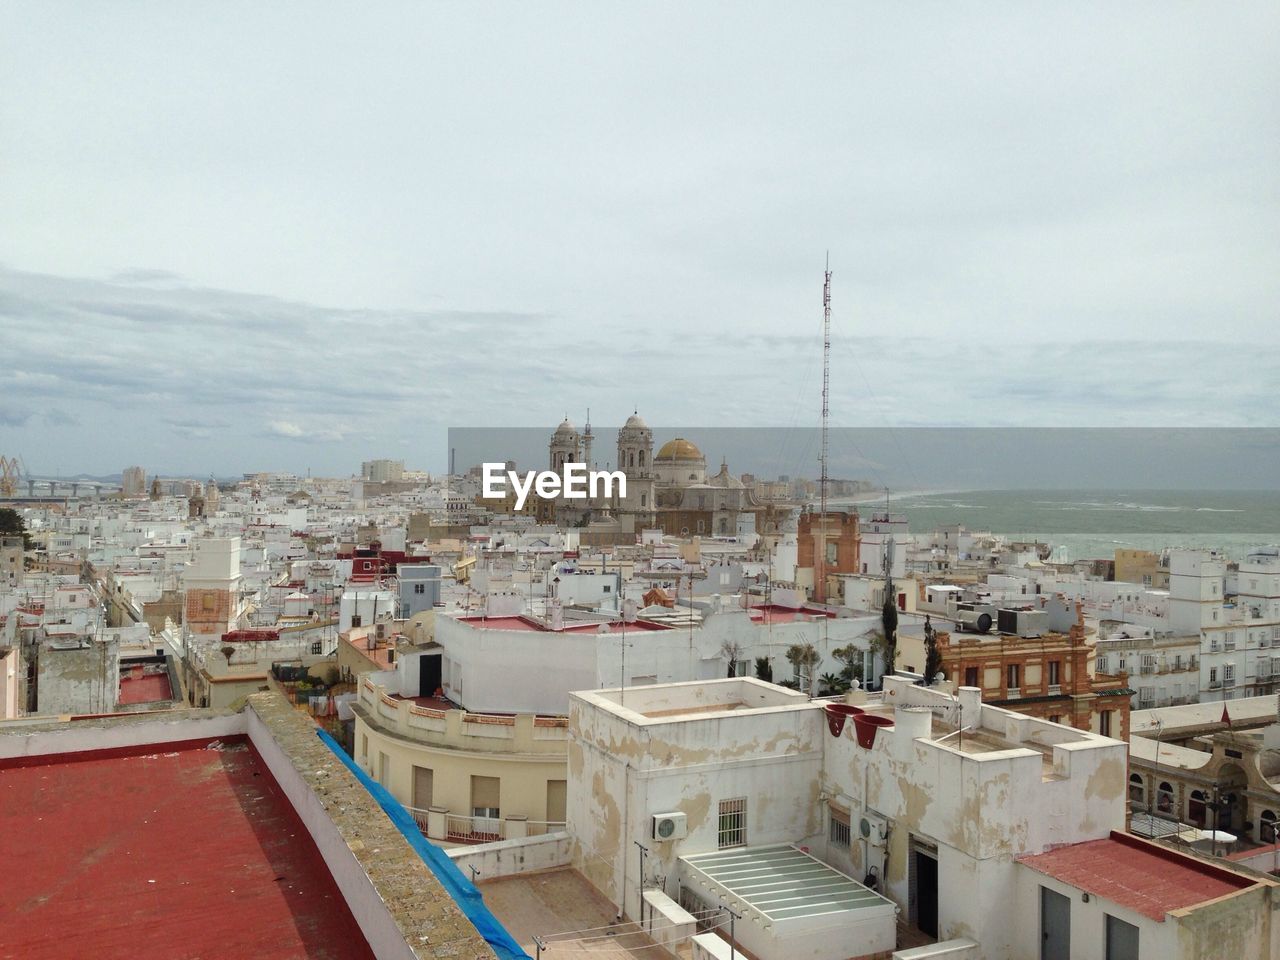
(932, 655)
(764, 669)
(804, 658)
(830, 683)
(889, 623)
(11, 525)
(851, 657)
(731, 650)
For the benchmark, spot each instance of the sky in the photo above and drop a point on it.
(241, 237)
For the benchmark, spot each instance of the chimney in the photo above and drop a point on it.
(555, 613)
(629, 610)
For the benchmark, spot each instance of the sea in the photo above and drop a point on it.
(1086, 524)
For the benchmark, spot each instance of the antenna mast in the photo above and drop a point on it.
(826, 387)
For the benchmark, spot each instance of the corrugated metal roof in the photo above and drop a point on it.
(1142, 876)
(783, 882)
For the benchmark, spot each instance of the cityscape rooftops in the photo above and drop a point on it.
(523, 623)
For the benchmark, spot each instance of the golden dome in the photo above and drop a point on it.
(679, 449)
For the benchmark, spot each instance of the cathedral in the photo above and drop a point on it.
(669, 490)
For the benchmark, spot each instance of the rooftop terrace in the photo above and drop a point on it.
(179, 850)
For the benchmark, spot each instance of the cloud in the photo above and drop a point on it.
(283, 428)
(200, 379)
(14, 416)
(145, 276)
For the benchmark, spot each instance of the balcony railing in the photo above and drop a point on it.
(1055, 689)
(1015, 693)
(458, 828)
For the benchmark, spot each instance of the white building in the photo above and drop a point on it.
(996, 833)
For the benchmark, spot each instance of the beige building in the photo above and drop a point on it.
(466, 777)
(1141, 566)
(12, 568)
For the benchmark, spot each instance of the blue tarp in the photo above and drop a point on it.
(462, 890)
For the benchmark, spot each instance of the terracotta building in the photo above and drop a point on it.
(1050, 676)
(838, 532)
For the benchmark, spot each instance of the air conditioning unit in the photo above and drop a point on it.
(670, 826)
(380, 631)
(873, 828)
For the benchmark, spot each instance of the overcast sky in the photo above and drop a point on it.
(274, 236)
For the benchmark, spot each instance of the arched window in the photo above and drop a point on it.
(1196, 808)
(1267, 827)
(1137, 789)
(641, 458)
(1164, 797)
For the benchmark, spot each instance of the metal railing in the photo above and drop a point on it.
(472, 829)
(459, 828)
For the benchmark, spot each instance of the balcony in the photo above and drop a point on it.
(439, 824)
(457, 729)
(1055, 689)
(1014, 693)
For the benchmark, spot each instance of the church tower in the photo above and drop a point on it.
(635, 449)
(565, 446)
(635, 459)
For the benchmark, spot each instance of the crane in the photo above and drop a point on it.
(11, 473)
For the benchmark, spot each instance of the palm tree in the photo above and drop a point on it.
(830, 683)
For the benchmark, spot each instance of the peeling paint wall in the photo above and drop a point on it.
(622, 773)
(79, 680)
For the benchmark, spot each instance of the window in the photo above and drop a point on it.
(1103, 665)
(838, 828)
(1055, 718)
(1122, 939)
(1104, 723)
(1012, 676)
(1213, 675)
(364, 746)
(1137, 789)
(355, 620)
(833, 553)
(1164, 797)
(419, 588)
(557, 799)
(317, 647)
(733, 823)
(1196, 808)
(486, 797)
(606, 588)
(423, 787)
(1228, 674)
(970, 676)
(1267, 827)
(1055, 672)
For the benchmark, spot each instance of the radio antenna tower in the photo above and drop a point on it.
(826, 388)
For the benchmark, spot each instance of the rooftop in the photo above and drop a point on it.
(775, 613)
(1133, 873)
(694, 698)
(552, 903)
(140, 685)
(159, 854)
(570, 626)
